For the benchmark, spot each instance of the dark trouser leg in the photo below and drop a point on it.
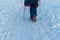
(33, 11)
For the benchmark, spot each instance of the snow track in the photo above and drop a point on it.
(14, 27)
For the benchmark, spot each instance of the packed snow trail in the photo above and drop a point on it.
(13, 27)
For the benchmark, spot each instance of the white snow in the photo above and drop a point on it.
(14, 27)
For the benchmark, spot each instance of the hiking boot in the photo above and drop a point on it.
(34, 18)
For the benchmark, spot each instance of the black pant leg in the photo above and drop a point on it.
(33, 10)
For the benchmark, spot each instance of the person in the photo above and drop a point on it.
(33, 4)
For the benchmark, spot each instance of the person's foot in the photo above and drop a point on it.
(33, 19)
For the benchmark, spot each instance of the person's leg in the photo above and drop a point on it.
(31, 14)
(33, 11)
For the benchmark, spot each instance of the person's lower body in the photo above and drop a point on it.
(33, 12)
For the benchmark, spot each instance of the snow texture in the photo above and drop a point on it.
(15, 24)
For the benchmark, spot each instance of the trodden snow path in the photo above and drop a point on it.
(14, 27)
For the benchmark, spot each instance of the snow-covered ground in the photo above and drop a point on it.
(13, 27)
